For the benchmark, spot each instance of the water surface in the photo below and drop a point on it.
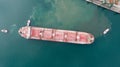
(78, 15)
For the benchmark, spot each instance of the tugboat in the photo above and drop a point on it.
(113, 5)
(4, 30)
(38, 33)
(106, 31)
(28, 23)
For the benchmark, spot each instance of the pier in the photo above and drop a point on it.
(113, 6)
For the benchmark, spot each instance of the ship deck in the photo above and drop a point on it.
(58, 35)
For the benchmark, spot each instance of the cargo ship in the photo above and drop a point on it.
(38, 33)
(113, 5)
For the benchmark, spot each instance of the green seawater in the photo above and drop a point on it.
(77, 15)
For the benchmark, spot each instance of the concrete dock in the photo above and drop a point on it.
(110, 6)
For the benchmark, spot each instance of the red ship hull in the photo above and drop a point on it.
(38, 33)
